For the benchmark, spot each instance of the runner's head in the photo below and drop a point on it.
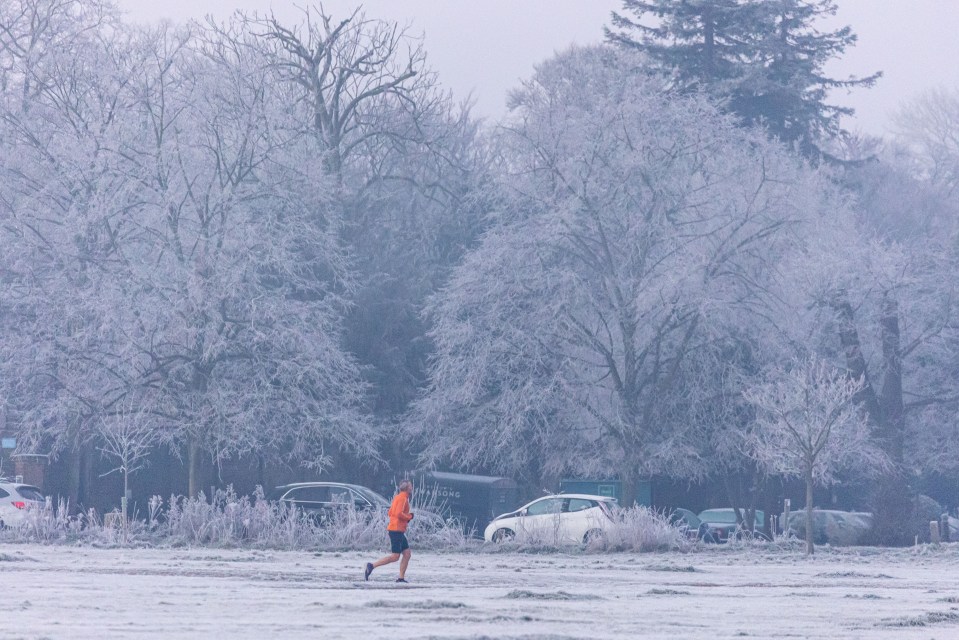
(407, 486)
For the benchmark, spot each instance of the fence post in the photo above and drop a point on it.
(934, 531)
(944, 527)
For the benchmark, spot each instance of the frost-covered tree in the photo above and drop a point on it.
(763, 59)
(929, 127)
(174, 241)
(240, 266)
(127, 434)
(63, 194)
(641, 229)
(408, 173)
(808, 425)
(788, 318)
(893, 312)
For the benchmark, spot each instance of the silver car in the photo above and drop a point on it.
(320, 499)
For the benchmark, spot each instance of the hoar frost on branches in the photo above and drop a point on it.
(643, 226)
(407, 168)
(808, 425)
(172, 241)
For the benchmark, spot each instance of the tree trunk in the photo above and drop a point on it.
(855, 361)
(744, 497)
(72, 488)
(85, 486)
(193, 463)
(891, 505)
(771, 501)
(890, 398)
(261, 473)
(125, 503)
(810, 547)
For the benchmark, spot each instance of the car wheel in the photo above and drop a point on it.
(503, 535)
(594, 536)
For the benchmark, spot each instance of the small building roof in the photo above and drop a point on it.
(465, 478)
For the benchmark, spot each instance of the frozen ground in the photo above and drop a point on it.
(80, 592)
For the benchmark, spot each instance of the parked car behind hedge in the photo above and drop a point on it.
(559, 519)
(693, 528)
(724, 525)
(324, 502)
(838, 528)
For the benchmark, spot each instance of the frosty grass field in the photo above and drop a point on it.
(83, 592)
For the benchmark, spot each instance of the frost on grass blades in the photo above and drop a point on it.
(228, 520)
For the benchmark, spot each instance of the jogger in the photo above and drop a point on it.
(400, 517)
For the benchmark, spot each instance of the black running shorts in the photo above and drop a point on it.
(398, 541)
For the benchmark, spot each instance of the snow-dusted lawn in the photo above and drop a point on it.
(81, 592)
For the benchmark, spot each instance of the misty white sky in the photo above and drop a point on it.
(487, 46)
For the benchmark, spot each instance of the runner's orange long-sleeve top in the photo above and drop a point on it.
(399, 513)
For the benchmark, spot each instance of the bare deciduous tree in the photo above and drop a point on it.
(929, 127)
(408, 169)
(808, 425)
(127, 434)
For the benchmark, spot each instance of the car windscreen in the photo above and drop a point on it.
(688, 518)
(607, 507)
(30, 493)
(718, 516)
(372, 496)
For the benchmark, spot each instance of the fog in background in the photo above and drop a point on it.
(484, 48)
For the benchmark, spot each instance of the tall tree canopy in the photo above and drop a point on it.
(171, 248)
(405, 161)
(764, 59)
(643, 231)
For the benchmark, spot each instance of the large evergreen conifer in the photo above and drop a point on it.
(763, 59)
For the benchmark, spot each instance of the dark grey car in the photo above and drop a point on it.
(320, 500)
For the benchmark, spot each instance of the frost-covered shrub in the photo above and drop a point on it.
(231, 520)
(640, 528)
(545, 539)
(53, 524)
(435, 532)
(348, 528)
(43, 524)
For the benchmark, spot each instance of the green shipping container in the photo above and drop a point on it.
(611, 488)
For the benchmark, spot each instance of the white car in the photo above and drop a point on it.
(572, 518)
(15, 499)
